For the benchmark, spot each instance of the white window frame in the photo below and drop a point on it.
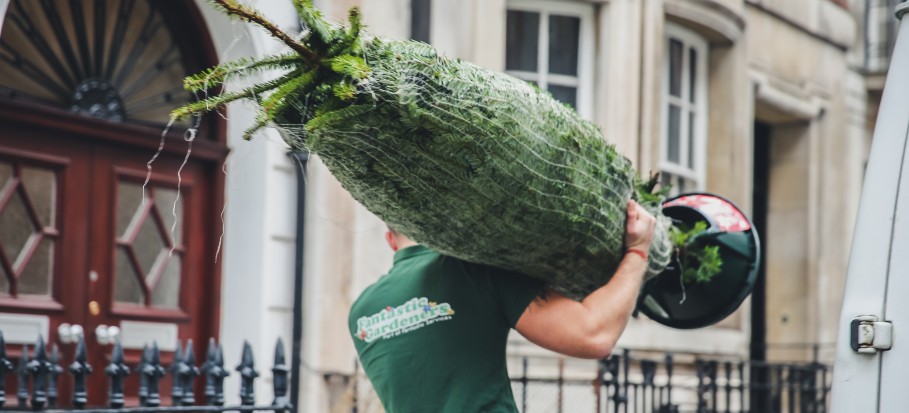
(696, 175)
(584, 81)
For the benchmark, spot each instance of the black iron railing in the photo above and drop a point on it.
(629, 384)
(39, 371)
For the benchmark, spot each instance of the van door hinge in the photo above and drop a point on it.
(869, 336)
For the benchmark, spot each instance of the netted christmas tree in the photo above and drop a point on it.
(473, 163)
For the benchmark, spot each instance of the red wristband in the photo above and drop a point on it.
(640, 253)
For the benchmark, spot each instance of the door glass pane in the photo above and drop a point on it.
(166, 293)
(37, 275)
(522, 40)
(129, 200)
(672, 134)
(564, 40)
(4, 281)
(164, 201)
(41, 185)
(126, 283)
(15, 227)
(692, 73)
(148, 246)
(565, 94)
(6, 172)
(675, 67)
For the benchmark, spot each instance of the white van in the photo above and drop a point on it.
(871, 371)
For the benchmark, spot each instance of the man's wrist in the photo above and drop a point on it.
(638, 252)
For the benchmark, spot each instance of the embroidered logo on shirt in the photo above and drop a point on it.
(414, 314)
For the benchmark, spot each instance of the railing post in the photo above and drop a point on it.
(22, 390)
(648, 371)
(143, 379)
(279, 376)
(54, 370)
(116, 370)
(728, 368)
(38, 368)
(219, 373)
(188, 372)
(524, 384)
(80, 369)
(153, 371)
(5, 367)
(176, 390)
(248, 376)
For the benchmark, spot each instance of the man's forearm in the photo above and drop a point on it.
(611, 305)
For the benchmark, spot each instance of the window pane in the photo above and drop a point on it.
(36, 276)
(692, 73)
(15, 227)
(691, 139)
(129, 200)
(126, 283)
(564, 39)
(41, 185)
(675, 67)
(565, 94)
(672, 134)
(419, 20)
(164, 201)
(148, 246)
(166, 293)
(521, 40)
(6, 172)
(4, 281)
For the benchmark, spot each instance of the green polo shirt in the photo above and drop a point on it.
(431, 333)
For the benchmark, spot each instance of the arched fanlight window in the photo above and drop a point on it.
(112, 59)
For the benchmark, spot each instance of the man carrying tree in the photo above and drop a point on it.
(431, 334)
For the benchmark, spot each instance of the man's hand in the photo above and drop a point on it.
(590, 328)
(639, 226)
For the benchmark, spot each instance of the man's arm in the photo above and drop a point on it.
(590, 328)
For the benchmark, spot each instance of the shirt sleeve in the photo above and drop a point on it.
(512, 292)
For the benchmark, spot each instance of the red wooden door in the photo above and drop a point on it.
(84, 240)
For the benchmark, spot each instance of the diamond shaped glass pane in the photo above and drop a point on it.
(41, 185)
(129, 199)
(36, 277)
(15, 227)
(6, 172)
(164, 200)
(166, 293)
(4, 281)
(126, 282)
(148, 246)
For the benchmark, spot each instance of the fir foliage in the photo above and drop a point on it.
(475, 164)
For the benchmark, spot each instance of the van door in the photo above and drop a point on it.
(869, 382)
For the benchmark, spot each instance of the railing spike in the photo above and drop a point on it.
(80, 369)
(54, 371)
(176, 390)
(144, 359)
(22, 390)
(279, 376)
(207, 367)
(187, 373)
(219, 373)
(38, 368)
(152, 370)
(248, 376)
(5, 367)
(117, 371)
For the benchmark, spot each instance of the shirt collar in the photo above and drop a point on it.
(411, 251)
